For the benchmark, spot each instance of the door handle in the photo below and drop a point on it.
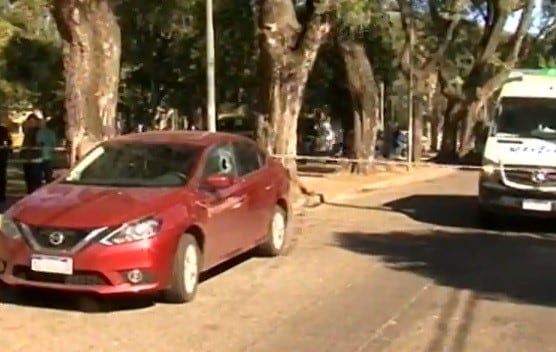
(268, 187)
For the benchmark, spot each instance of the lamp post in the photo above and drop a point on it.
(211, 96)
(410, 98)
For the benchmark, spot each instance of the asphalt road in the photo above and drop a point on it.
(397, 270)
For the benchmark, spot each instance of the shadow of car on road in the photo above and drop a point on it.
(515, 262)
(491, 266)
(87, 303)
(517, 268)
(458, 211)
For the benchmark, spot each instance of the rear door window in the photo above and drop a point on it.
(248, 157)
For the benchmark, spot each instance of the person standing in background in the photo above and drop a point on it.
(46, 139)
(31, 153)
(5, 151)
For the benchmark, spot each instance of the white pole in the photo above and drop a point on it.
(211, 96)
(410, 99)
(382, 106)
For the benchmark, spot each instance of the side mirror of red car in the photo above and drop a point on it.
(219, 181)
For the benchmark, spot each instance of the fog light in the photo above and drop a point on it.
(135, 276)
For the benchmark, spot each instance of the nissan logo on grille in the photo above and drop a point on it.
(56, 238)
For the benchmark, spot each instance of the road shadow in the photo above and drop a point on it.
(491, 266)
(66, 301)
(458, 211)
(86, 303)
(494, 266)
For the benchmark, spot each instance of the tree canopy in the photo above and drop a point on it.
(457, 53)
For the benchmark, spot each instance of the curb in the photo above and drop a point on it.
(419, 176)
(409, 178)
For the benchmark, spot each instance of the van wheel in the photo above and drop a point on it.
(185, 272)
(278, 235)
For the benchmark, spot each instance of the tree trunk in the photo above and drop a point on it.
(91, 57)
(435, 129)
(365, 98)
(468, 118)
(459, 123)
(449, 144)
(418, 123)
(437, 118)
(288, 50)
(286, 101)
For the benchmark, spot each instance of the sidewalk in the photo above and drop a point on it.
(342, 185)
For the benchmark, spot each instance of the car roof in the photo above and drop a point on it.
(198, 138)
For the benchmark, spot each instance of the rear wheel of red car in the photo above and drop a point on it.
(186, 270)
(278, 236)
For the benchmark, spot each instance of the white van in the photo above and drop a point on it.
(518, 173)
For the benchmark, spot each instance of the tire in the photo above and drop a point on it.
(278, 236)
(185, 271)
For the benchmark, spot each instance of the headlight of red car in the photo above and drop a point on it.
(9, 228)
(133, 231)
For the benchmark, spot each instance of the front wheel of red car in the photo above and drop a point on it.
(278, 235)
(186, 270)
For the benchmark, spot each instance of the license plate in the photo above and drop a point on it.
(52, 265)
(537, 205)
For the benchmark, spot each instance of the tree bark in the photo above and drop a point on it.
(469, 119)
(455, 109)
(484, 77)
(418, 124)
(288, 50)
(437, 118)
(435, 129)
(365, 97)
(91, 57)
(458, 132)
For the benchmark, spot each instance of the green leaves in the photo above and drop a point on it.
(357, 15)
(30, 66)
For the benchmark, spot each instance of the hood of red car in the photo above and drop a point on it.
(72, 206)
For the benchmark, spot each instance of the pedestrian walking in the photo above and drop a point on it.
(46, 139)
(31, 153)
(5, 151)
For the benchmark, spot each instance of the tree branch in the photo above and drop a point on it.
(447, 27)
(520, 33)
(478, 6)
(317, 25)
(406, 17)
(447, 89)
(546, 34)
(512, 56)
(446, 30)
(498, 13)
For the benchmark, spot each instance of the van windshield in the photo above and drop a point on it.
(527, 117)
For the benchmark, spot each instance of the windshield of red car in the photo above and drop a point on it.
(135, 165)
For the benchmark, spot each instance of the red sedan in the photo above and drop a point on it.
(146, 213)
